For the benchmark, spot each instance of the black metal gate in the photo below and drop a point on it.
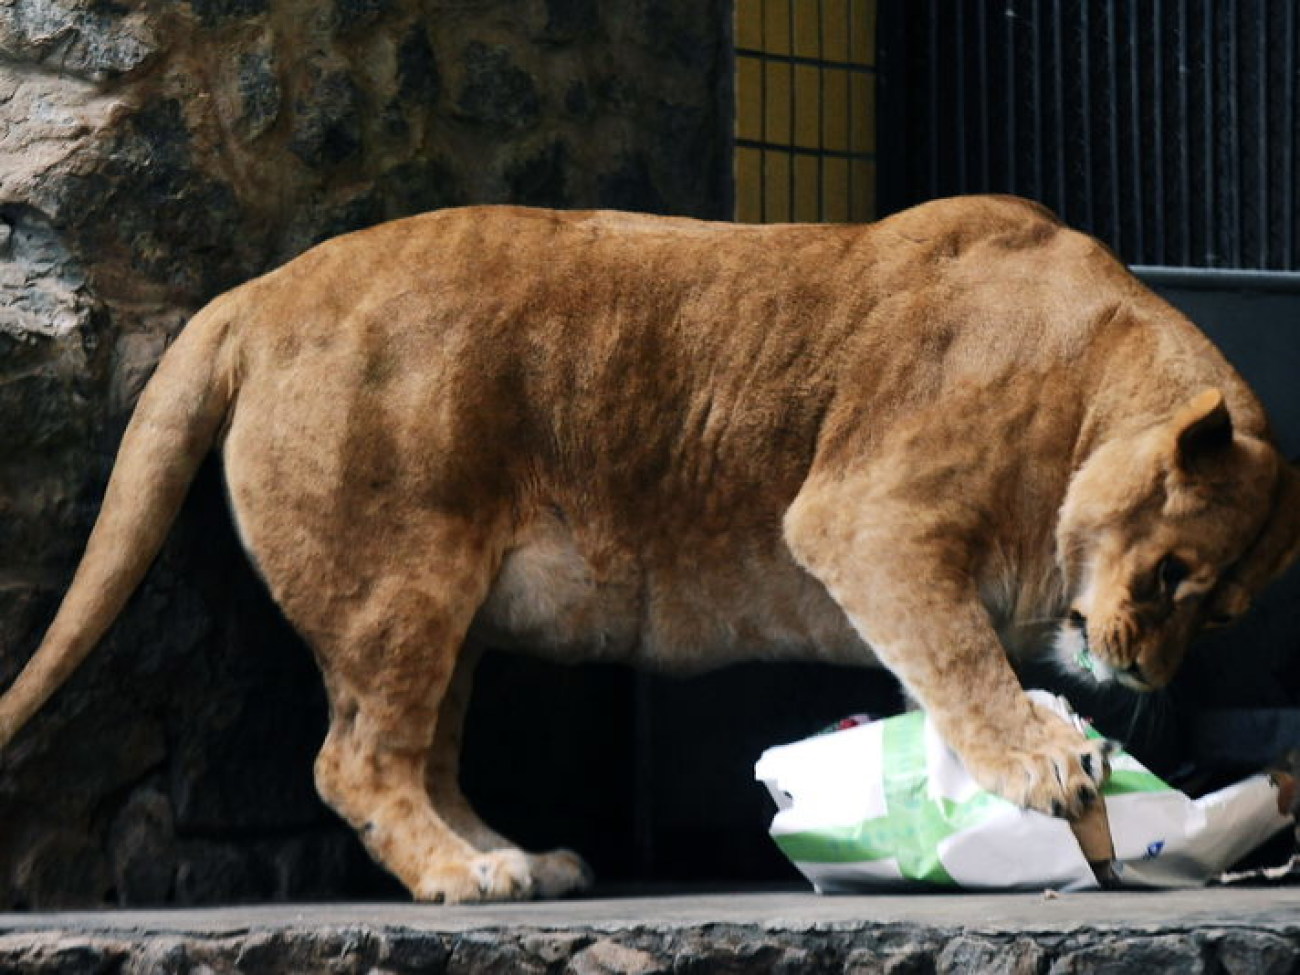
(1168, 128)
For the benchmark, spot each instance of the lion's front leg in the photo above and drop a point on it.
(945, 652)
(958, 672)
(904, 588)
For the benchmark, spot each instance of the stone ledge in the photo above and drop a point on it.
(1254, 931)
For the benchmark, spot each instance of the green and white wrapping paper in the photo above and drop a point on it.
(888, 805)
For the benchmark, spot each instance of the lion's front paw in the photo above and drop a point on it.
(1051, 767)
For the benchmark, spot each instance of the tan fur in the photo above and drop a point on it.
(680, 444)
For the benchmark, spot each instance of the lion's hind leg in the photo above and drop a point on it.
(556, 873)
(388, 660)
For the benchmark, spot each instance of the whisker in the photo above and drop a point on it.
(1135, 716)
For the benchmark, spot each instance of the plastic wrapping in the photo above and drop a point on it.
(887, 805)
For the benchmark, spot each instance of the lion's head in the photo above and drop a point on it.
(1167, 531)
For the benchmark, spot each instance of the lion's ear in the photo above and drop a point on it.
(1202, 430)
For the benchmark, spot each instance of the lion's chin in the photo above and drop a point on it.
(1076, 656)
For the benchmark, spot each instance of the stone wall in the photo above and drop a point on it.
(152, 154)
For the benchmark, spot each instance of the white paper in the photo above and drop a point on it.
(852, 826)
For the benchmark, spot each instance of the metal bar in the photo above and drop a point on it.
(1085, 119)
(1117, 235)
(959, 123)
(848, 107)
(1289, 214)
(808, 62)
(1261, 97)
(1184, 138)
(1234, 133)
(1010, 58)
(1061, 199)
(982, 70)
(762, 118)
(1136, 164)
(1207, 189)
(791, 199)
(1036, 97)
(1009, 115)
(802, 151)
(1157, 132)
(932, 23)
(821, 114)
(1220, 278)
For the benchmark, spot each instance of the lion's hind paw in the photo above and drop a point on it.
(559, 873)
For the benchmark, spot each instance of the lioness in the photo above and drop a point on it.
(924, 442)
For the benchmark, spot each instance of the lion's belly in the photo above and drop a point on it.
(569, 601)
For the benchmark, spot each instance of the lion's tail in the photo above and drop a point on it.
(176, 421)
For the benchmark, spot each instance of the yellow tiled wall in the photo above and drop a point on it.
(805, 98)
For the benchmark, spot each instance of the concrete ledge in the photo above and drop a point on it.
(1255, 931)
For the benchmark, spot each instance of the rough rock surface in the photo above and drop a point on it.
(152, 154)
(1214, 932)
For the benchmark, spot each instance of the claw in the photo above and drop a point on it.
(1094, 769)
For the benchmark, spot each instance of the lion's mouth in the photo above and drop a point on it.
(1084, 659)
(1101, 669)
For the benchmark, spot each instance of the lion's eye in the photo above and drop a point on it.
(1171, 572)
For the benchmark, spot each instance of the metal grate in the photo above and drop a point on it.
(1167, 128)
(805, 110)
